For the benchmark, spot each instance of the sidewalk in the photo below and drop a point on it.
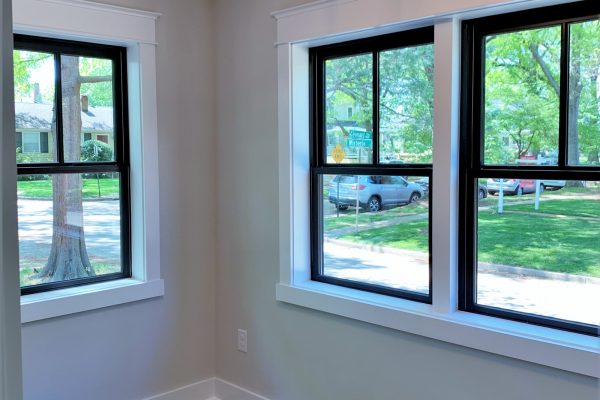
(550, 294)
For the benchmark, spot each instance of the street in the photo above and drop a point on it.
(102, 229)
(570, 300)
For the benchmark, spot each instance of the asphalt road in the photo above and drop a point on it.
(101, 221)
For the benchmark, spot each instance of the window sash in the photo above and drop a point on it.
(319, 141)
(472, 144)
(121, 150)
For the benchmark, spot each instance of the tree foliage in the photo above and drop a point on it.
(24, 63)
(99, 93)
(522, 81)
(405, 99)
(522, 92)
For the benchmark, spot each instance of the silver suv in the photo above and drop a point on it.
(374, 191)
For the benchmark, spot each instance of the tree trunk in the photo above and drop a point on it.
(68, 256)
(575, 88)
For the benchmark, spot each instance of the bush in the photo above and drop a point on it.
(95, 150)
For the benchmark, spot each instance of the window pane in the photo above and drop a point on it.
(31, 142)
(376, 230)
(584, 94)
(69, 226)
(406, 105)
(34, 107)
(349, 109)
(522, 86)
(87, 104)
(539, 254)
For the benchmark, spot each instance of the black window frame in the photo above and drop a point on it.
(121, 162)
(318, 145)
(472, 167)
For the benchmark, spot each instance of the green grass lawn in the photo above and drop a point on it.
(43, 189)
(406, 236)
(540, 242)
(573, 207)
(347, 218)
(536, 240)
(26, 273)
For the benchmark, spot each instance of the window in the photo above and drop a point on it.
(34, 142)
(102, 138)
(371, 164)
(531, 138)
(73, 208)
(443, 319)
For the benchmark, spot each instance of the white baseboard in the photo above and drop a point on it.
(228, 391)
(203, 390)
(209, 389)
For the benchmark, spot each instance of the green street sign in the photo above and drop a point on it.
(359, 143)
(359, 135)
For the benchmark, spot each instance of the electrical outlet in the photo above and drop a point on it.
(242, 343)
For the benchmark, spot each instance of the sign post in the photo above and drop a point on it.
(338, 156)
(357, 189)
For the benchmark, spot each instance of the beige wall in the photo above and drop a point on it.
(296, 353)
(141, 349)
(218, 183)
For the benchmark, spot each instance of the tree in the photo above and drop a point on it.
(522, 91)
(521, 105)
(68, 255)
(405, 99)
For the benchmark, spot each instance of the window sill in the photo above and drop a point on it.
(39, 306)
(558, 349)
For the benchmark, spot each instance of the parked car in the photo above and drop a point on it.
(424, 183)
(482, 192)
(374, 192)
(522, 186)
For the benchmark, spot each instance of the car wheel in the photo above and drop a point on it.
(481, 194)
(342, 207)
(414, 197)
(519, 191)
(374, 204)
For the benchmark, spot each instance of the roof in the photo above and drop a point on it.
(39, 116)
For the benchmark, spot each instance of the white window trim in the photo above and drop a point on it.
(312, 24)
(135, 30)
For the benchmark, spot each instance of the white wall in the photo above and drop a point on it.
(296, 353)
(141, 349)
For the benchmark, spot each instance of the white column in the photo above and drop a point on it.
(10, 315)
(445, 165)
